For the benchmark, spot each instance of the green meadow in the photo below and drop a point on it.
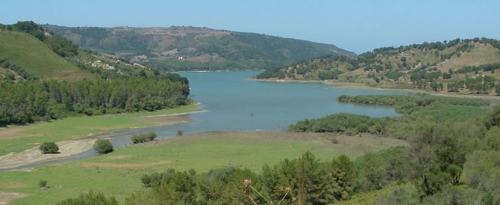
(118, 173)
(19, 138)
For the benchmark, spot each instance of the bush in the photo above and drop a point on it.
(103, 146)
(42, 183)
(90, 198)
(138, 139)
(150, 136)
(49, 148)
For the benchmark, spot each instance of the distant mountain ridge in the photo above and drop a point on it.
(192, 48)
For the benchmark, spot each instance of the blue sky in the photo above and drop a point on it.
(355, 25)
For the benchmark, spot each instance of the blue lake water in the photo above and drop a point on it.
(236, 103)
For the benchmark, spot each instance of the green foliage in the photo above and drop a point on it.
(91, 198)
(334, 123)
(42, 183)
(408, 104)
(493, 118)
(141, 138)
(27, 102)
(103, 146)
(49, 148)
(438, 155)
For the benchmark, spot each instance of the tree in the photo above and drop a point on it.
(49, 148)
(90, 198)
(343, 174)
(103, 146)
(438, 155)
(497, 89)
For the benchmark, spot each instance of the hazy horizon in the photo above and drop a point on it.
(356, 26)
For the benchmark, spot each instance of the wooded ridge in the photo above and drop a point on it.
(191, 48)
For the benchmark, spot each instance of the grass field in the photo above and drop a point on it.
(118, 173)
(36, 58)
(19, 138)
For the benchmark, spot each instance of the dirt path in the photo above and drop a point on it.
(66, 149)
(6, 197)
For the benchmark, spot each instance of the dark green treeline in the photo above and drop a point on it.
(30, 101)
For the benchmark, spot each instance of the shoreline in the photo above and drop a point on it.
(361, 86)
(70, 148)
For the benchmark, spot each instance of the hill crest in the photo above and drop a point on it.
(194, 48)
(438, 66)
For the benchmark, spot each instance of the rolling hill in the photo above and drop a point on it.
(24, 51)
(191, 48)
(460, 66)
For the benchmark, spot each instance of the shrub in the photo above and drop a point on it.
(49, 148)
(90, 198)
(335, 140)
(42, 183)
(151, 136)
(138, 139)
(103, 146)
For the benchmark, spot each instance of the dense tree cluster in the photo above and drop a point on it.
(406, 104)
(442, 155)
(290, 180)
(30, 101)
(415, 109)
(484, 68)
(90, 198)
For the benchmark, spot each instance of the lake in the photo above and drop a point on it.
(236, 103)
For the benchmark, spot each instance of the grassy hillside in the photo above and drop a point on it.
(190, 48)
(461, 66)
(32, 55)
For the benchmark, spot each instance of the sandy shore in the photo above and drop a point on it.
(68, 148)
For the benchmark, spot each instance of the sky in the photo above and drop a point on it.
(355, 25)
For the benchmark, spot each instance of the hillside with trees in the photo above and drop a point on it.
(457, 66)
(191, 48)
(45, 77)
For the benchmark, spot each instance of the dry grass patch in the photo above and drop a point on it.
(125, 166)
(6, 197)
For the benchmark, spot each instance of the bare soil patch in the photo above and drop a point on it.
(165, 120)
(6, 197)
(66, 149)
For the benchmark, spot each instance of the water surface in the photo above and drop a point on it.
(236, 103)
